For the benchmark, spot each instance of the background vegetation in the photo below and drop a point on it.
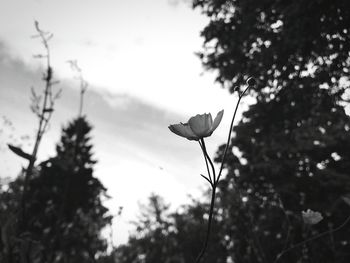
(290, 152)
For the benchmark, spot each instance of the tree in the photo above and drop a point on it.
(289, 165)
(164, 237)
(10, 194)
(282, 43)
(293, 143)
(151, 241)
(65, 203)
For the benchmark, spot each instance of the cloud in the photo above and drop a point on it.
(175, 3)
(124, 126)
(133, 146)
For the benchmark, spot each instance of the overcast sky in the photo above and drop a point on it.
(138, 57)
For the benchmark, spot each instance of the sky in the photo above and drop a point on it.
(138, 57)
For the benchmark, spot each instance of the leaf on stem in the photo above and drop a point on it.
(18, 151)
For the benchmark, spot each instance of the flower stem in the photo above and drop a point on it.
(214, 181)
(230, 131)
(211, 212)
(213, 184)
(206, 155)
(206, 163)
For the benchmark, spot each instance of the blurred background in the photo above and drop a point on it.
(110, 183)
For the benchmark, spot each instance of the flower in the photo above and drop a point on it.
(197, 127)
(310, 217)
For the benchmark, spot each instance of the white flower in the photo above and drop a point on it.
(311, 217)
(197, 127)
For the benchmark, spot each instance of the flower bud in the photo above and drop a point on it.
(251, 81)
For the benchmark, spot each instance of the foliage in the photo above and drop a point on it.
(279, 42)
(64, 202)
(288, 165)
(151, 242)
(293, 144)
(162, 236)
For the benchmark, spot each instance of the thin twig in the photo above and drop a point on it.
(312, 238)
(288, 222)
(44, 115)
(83, 83)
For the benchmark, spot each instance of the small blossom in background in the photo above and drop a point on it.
(346, 199)
(197, 127)
(311, 217)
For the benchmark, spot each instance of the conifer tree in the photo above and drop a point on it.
(66, 209)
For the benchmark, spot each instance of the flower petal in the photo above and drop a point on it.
(217, 120)
(183, 130)
(201, 124)
(311, 217)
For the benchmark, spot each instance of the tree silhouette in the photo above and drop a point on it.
(293, 144)
(73, 210)
(65, 203)
(151, 241)
(288, 165)
(281, 43)
(161, 236)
